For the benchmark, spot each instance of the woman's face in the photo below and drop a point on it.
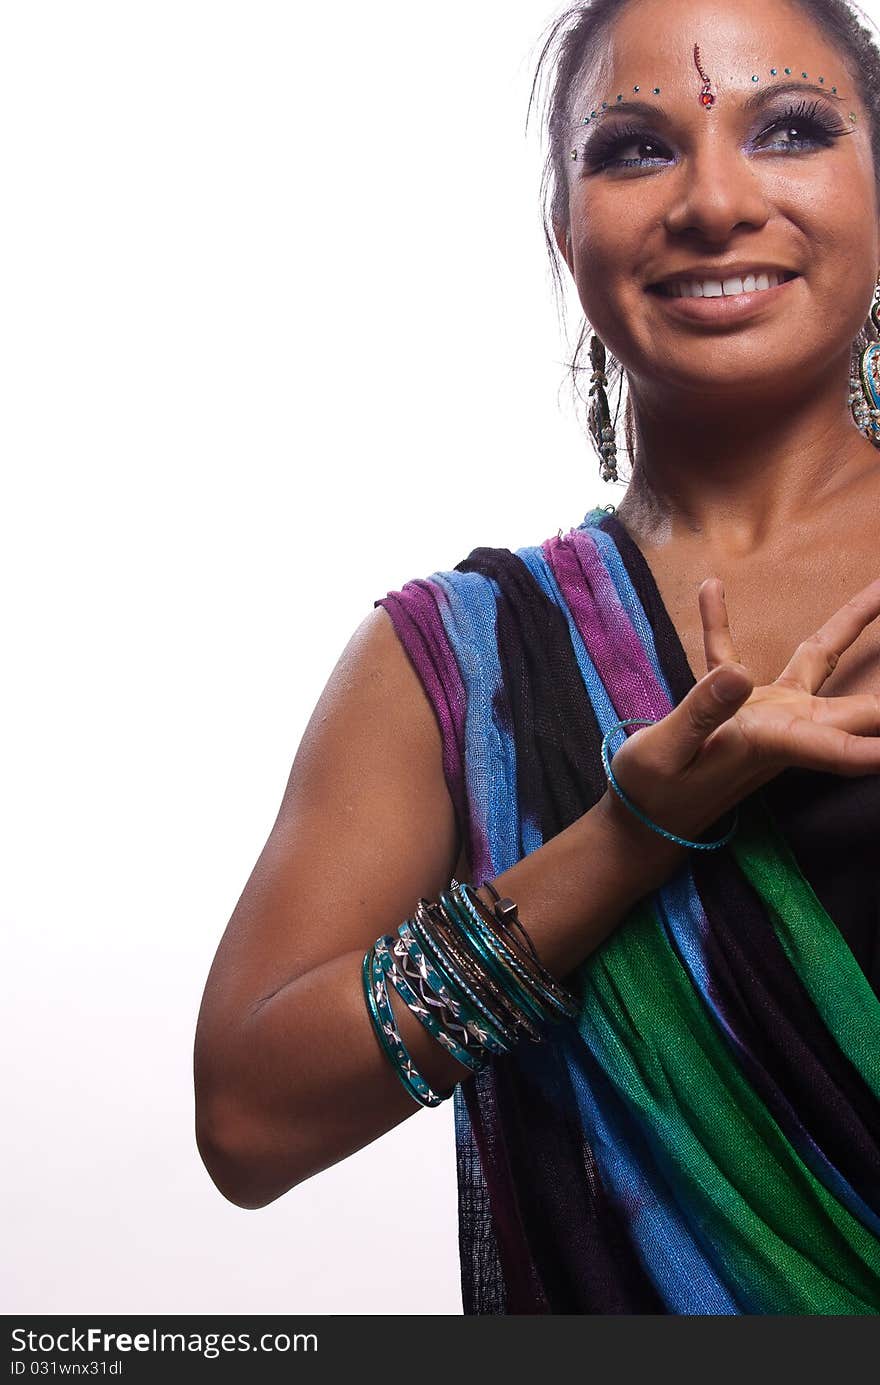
(767, 176)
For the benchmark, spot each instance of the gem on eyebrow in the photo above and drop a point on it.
(656, 91)
(788, 71)
(754, 79)
(773, 71)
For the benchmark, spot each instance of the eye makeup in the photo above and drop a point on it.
(815, 123)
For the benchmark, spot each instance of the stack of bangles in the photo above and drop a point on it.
(471, 981)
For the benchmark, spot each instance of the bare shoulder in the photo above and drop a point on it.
(372, 725)
(366, 826)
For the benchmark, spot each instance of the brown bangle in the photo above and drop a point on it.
(530, 961)
(474, 970)
(506, 913)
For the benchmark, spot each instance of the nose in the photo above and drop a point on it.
(717, 191)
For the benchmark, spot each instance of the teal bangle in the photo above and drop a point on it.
(385, 955)
(505, 976)
(682, 841)
(481, 1023)
(382, 1016)
(557, 1001)
(509, 1019)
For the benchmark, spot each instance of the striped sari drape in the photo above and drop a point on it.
(705, 1137)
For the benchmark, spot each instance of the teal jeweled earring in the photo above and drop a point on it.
(864, 384)
(599, 415)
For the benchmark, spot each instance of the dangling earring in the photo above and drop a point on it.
(599, 415)
(864, 383)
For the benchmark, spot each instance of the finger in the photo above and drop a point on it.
(717, 638)
(709, 703)
(803, 742)
(818, 655)
(859, 713)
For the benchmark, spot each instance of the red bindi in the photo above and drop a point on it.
(707, 97)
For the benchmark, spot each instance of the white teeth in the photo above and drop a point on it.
(717, 288)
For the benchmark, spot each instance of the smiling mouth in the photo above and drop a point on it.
(733, 287)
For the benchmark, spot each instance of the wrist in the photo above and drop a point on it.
(647, 856)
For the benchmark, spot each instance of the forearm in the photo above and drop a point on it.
(312, 1084)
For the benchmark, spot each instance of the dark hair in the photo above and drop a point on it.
(571, 42)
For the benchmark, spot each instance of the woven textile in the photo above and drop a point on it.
(705, 1137)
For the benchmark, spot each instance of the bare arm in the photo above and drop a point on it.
(289, 1076)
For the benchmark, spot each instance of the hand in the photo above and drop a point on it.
(691, 767)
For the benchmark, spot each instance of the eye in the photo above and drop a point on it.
(804, 127)
(624, 148)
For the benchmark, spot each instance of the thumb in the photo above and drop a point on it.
(709, 703)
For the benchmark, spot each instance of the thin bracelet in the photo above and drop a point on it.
(463, 950)
(487, 885)
(529, 962)
(551, 993)
(446, 941)
(503, 972)
(682, 841)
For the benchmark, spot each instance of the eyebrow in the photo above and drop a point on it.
(755, 99)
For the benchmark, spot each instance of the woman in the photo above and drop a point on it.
(688, 1121)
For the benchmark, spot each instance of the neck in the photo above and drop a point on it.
(734, 472)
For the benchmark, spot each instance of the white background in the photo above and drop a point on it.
(277, 335)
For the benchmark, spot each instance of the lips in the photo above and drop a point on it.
(729, 286)
(698, 282)
(723, 308)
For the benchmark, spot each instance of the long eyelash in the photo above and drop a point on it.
(598, 149)
(812, 113)
(826, 128)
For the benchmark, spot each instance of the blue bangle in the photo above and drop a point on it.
(486, 1027)
(386, 948)
(511, 1020)
(682, 841)
(554, 1001)
(382, 1015)
(503, 973)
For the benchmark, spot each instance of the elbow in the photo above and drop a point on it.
(228, 1167)
(243, 1168)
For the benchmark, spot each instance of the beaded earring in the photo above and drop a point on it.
(599, 415)
(864, 383)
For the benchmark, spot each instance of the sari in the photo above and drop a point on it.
(704, 1137)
